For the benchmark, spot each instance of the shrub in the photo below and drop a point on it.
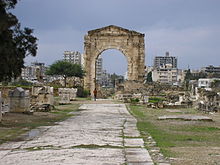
(155, 99)
(82, 92)
(22, 83)
(134, 100)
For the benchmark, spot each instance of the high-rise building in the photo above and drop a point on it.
(73, 57)
(161, 61)
(99, 70)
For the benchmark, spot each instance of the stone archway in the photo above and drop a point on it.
(130, 43)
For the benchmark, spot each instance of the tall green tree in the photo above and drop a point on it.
(188, 77)
(65, 69)
(15, 43)
(149, 77)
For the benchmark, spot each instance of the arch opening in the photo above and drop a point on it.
(111, 67)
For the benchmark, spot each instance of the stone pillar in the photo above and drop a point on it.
(141, 59)
(19, 100)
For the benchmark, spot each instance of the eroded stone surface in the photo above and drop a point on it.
(186, 117)
(137, 154)
(134, 142)
(95, 135)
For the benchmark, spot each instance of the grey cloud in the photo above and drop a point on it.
(186, 28)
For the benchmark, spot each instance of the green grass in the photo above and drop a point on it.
(10, 134)
(199, 129)
(156, 99)
(171, 133)
(13, 125)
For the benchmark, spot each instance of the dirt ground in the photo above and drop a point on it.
(197, 155)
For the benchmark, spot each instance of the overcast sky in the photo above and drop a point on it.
(188, 29)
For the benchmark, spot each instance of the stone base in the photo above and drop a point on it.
(185, 117)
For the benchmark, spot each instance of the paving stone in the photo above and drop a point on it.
(137, 154)
(131, 133)
(134, 142)
(93, 136)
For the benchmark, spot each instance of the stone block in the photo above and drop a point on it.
(64, 94)
(73, 92)
(19, 100)
(18, 92)
(134, 142)
(36, 90)
(185, 117)
(45, 99)
(43, 95)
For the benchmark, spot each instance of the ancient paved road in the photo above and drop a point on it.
(97, 134)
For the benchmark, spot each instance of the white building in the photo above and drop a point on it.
(211, 69)
(73, 57)
(82, 60)
(206, 82)
(35, 72)
(99, 69)
(167, 75)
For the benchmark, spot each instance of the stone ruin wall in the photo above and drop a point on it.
(130, 43)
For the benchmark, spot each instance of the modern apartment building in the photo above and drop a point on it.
(99, 69)
(211, 69)
(165, 74)
(34, 72)
(161, 61)
(74, 57)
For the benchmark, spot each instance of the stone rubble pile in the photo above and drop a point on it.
(42, 98)
(173, 97)
(209, 101)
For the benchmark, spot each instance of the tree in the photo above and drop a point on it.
(65, 69)
(149, 77)
(188, 77)
(15, 43)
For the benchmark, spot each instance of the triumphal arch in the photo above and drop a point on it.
(130, 43)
